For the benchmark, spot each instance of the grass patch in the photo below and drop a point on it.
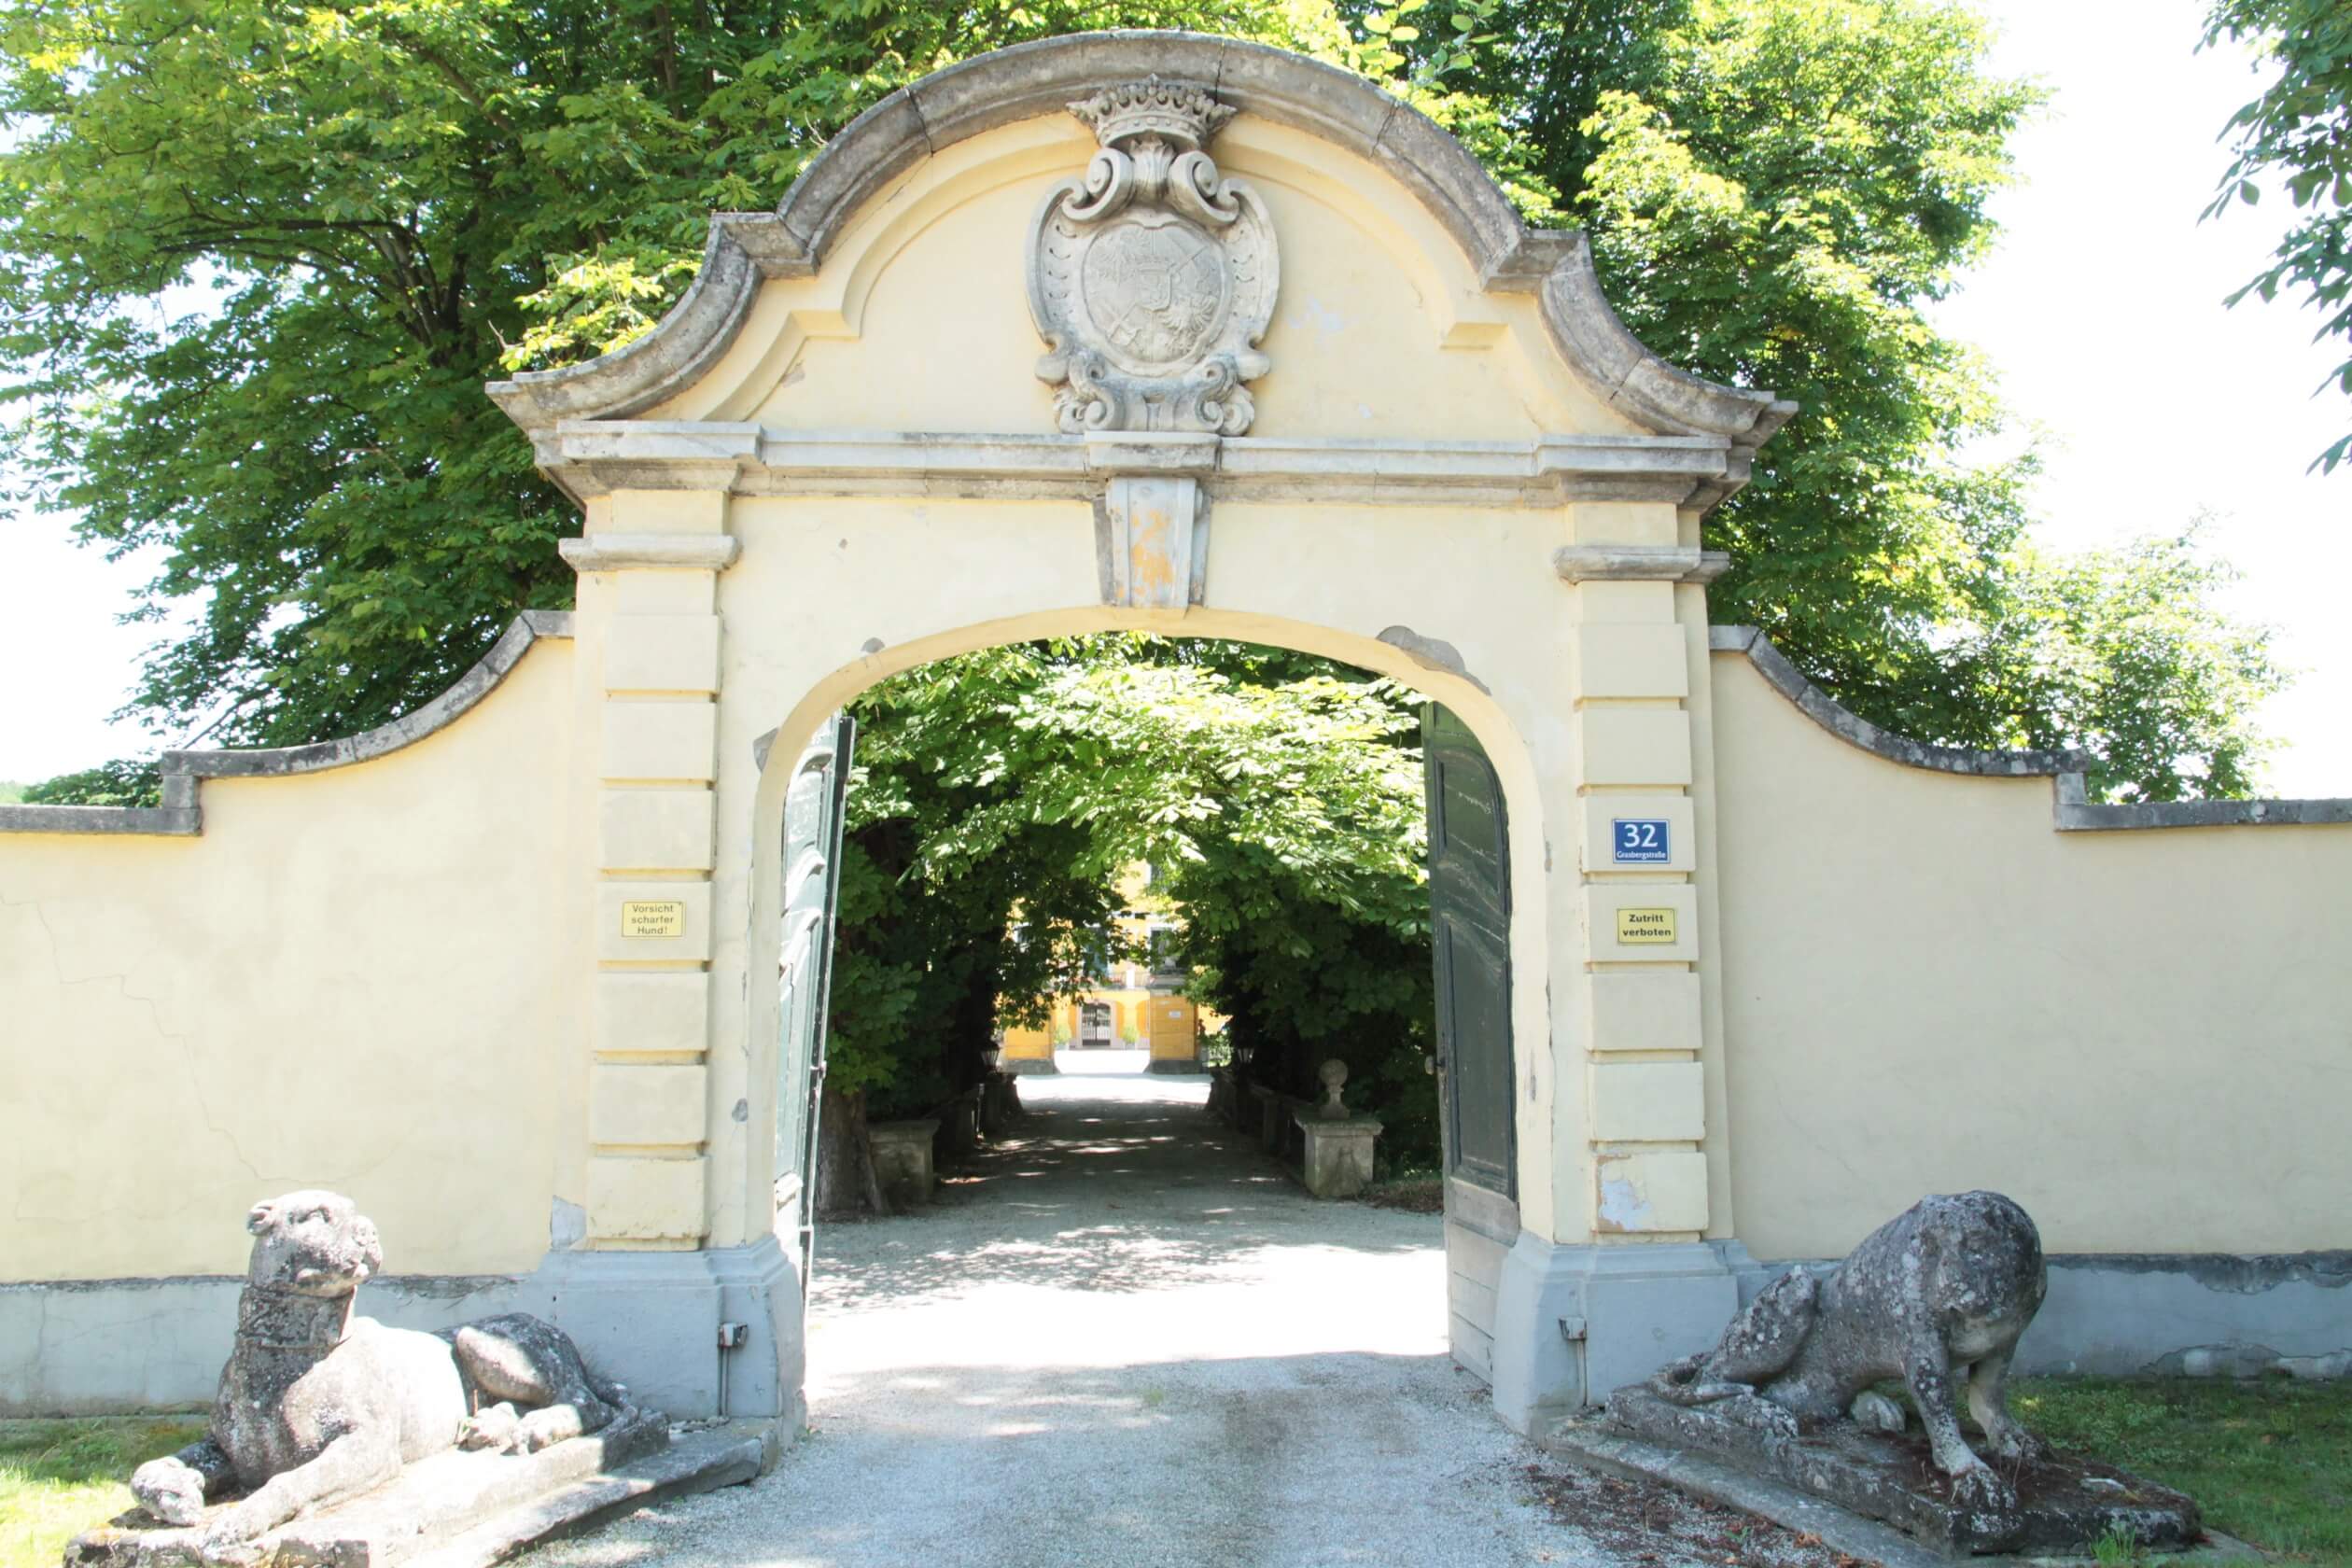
(2270, 1460)
(60, 1478)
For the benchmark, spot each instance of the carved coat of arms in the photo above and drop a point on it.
(1152, 276)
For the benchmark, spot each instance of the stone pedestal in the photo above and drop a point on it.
(2061, 1502)
(1272, 1123)
(903, 1158)
(1338, 1152)
(963, 1121)
(1000, 1102)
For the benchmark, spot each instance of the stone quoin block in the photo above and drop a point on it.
(1606, 603)
(654, 1014)
(654, 830)
(1651, 1192)
(1636, 746)
(1657, 1012)
(662, 654)
(666, 741)
(1648, 1102)
(1631, 922)
(665, 591)
(1677, 837)
(1644, 661)
(636, 1106)
(1653, 523)
(632, 1199)
(661, 512)
(653, 923)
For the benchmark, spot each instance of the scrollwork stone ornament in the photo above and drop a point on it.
(1152, 276)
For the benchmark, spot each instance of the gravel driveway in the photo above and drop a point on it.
(1126, 1338)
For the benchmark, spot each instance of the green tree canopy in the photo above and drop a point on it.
(1279, 795)
(2299, 129)
(256, 258)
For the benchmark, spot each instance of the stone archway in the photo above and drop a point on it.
(1178, 332)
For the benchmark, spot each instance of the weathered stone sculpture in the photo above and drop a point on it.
(1152, 276)
(317, 1405)
(1942, 1291)
(1939, 1297)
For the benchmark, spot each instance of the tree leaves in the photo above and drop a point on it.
(2295, 127)
(1278, 796)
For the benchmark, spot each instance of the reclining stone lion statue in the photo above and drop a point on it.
(317, 1405)
(1940, 1293)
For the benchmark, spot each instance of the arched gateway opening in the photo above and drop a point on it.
(801, 807)
(1174, 333)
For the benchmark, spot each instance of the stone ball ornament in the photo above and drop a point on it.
(1151, 277)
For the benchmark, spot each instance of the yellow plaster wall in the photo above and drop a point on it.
(348, 981)
(2144, 1037)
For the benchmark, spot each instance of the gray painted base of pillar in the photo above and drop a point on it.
(1573, 1324)
(649, 1320)
(1184, 1065)
(1025, 1066)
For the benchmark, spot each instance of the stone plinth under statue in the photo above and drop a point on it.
(2058, 1503)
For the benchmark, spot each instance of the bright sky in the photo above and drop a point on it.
(2102, 310)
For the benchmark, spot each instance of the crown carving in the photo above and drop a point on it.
(1176, 112)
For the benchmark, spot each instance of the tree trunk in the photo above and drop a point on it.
(845, 1179)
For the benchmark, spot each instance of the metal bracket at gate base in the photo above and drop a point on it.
(1573, 1330)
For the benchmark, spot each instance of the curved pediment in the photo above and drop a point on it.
(1001, 127)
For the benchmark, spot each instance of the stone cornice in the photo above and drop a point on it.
(1639, 563)
(611, 552)
(593, 457)
(180, 815)
(2072, 809)
(1044, 78)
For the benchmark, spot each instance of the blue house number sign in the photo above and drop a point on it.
(1639, 841)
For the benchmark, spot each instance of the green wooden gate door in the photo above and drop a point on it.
(1470, 928)
(812, 891)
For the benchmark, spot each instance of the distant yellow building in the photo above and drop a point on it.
(1133, 1005)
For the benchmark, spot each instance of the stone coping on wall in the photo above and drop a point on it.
(180, 814)
(1044, 78)
(2073, 811)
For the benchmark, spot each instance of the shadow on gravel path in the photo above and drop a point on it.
(1125, 1338)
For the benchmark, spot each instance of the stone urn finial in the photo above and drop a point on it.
(1333, 1074)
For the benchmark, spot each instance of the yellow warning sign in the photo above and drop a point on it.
(654, 917)
(1641, 927)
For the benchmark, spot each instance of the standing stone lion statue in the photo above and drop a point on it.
(1939, 1295)
(317, 1405)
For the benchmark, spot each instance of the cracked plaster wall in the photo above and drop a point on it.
(348, 981)
(2145, 1037)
